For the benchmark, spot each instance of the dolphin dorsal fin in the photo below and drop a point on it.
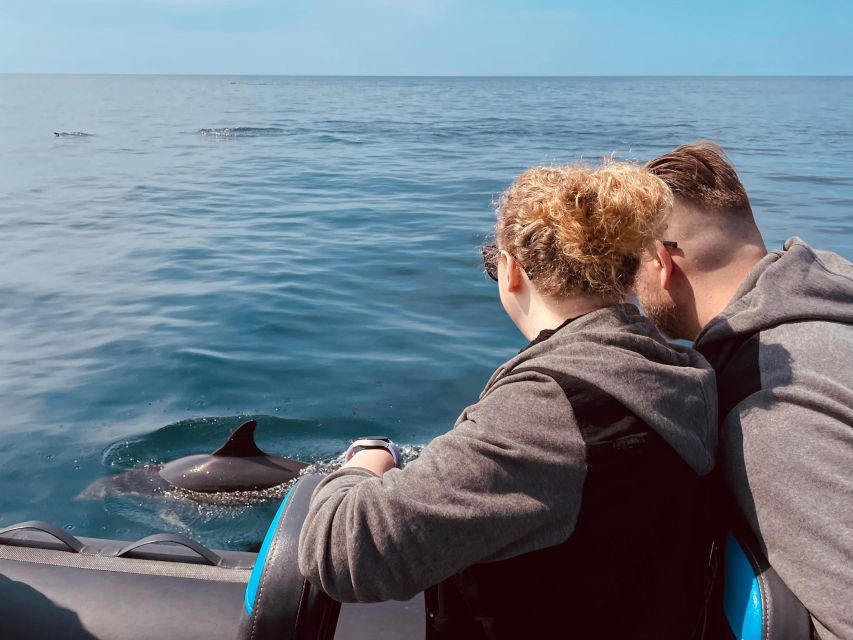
(241, 444)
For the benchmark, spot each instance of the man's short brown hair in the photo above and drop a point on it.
(700, 174)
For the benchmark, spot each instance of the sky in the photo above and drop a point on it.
(427, 37)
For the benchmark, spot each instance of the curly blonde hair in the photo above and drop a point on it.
(577, 229)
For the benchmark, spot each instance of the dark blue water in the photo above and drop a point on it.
(306, 250)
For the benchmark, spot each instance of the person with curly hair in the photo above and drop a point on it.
(569, 500)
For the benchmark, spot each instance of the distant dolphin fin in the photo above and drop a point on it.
(241, 444)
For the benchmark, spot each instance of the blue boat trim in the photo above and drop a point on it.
(257, 571)
(742, 595)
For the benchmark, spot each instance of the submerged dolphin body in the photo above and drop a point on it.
(237, 466)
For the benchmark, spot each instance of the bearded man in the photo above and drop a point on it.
(778, 329)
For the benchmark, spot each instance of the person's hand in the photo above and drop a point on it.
(377, 461)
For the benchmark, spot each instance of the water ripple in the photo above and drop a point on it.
(242, 132)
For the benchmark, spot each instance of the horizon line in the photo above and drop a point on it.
(426, 75)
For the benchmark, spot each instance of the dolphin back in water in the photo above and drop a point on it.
(238, 465)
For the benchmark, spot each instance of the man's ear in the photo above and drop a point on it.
(512, 272)
(663, 260)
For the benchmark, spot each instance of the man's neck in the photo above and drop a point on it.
(714, 290)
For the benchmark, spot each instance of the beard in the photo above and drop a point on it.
(663, 312)
(668, 321)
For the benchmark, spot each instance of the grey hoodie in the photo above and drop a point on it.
(508, 479)
(783, 350)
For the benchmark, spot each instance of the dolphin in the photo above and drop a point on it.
(239, 465)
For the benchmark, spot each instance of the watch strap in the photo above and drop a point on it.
(375, 442)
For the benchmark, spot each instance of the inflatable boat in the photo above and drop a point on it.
(55, 585)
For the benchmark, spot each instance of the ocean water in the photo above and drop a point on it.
(305, 251)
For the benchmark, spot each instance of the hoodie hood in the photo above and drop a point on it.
(794, 284)
(670, 388)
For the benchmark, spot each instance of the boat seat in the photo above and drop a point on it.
(279, 602)
(756, 603)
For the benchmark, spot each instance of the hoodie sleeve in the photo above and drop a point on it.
(505, 481)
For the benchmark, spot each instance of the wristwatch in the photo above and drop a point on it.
(375, 442)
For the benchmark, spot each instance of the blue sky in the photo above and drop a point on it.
(427, 37)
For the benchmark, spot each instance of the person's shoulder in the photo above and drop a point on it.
(812, 347)
(833, 263)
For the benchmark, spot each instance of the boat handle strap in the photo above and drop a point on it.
(63, 536)
(202, 551)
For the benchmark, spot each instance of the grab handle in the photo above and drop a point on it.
(63, 536)
(202, 551)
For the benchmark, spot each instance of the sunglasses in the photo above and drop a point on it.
(490, 260)
(490, 254)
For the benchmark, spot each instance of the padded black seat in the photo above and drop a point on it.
(279, 602)
(756, 603)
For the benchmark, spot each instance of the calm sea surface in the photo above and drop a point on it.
(318, 266)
